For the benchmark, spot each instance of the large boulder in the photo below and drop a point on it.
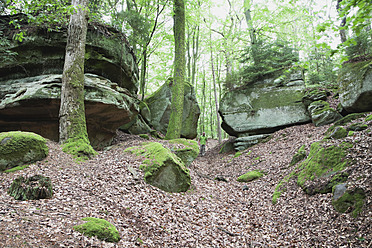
(32, 104)
(20, 148)
(355, 84)
(263, 107)
(163, 169)
(156, 110)
(107, 53)
(322, 114)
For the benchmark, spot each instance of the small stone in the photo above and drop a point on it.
(245, 187)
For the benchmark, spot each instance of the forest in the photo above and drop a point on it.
(185, 123)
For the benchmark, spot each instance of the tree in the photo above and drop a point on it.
(175, 121)
(72, 125)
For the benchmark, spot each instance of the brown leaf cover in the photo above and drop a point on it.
(213, 213)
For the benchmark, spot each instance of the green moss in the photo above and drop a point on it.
(31, 188)
(280, 187)
(144, 136)
(322, 160)
(350, 199)
(99, 228)
(190, 151)
(337, 133)
(368, 118)
(357, 127)
(250, 176)
(19, 148)
(79, 148)
(350, 133)
(18, 168)
(300, 155)
(237, 154)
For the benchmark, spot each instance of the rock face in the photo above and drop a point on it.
(19, 148)
(157, 109)
(163, 169)
(355, 83)
(32, 104)
(263, 107)
(321, 114)
(42, 52)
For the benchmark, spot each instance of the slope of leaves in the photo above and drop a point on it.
(213, 213)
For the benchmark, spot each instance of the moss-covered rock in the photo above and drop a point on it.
(337, 133)
(321, 114)
(314, 95)
(324, 185)
(100, 228)
(300, 155)
(250, 176)
(344, 120)
(322, 160)
(144, 136)
(188, 153)
(163, 169)
(227, 147)
(357, 127)
(368, 118)
(31, 188)
(348, 199)
(20, 148)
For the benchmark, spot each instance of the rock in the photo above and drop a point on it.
(100, 228)
(31, 188)
(263, 108)
(355, 85)
(344, 120)
(163, 169)
(338, 133)
(157, 108)
(107, 54)
(321, 114)
(243, 143)
(137, 126)
(228, 146)
(300, 155)
(357, 127)
(220, 179)
(20, 148)
(32, 104)
(323, 161)
(348, 199)
(250, 176)
(314, 95)
(325, 183)
(188, 153)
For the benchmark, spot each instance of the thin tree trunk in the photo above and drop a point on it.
(72, 124)
(143, 74)
(175, 121)
(195, 46)
(343, 22)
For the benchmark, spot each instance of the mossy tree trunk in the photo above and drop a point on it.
(72, 124)
(175, 121)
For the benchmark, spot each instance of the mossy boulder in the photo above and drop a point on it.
(344, 120)
(156, 110)
(100, 228)
(20, 148)
(321, 114)
(188, 152)
(163, 169)
(355, 85)
(357, 127)
(324, 159)
(250, 176)
(337, 133)
(300, 155)
(227, 146)
(348, 199)
(31, 188)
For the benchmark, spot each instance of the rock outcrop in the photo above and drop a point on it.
(263, 107)
(32, 104)
(42, 52)
(20, 148)
(355, 84)
(156, 110)
(322, 114)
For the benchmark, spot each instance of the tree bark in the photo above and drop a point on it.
(72, 124)
(343, 22)
(175, 121)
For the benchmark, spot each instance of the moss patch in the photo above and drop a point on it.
(79, 148)
(300, 155)
(18, 168)
(350, 199)
(368, 118)
(19, 148)
(250, 176)
(31, 188)
(187, 154)
(99, 228)
(144, 136)
(337, 133)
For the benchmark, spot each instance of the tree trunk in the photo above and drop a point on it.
(175, 121)
(143, 74)
(343, 22)
(215, 96)
(72, 125)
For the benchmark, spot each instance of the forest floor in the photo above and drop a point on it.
(211, 214)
